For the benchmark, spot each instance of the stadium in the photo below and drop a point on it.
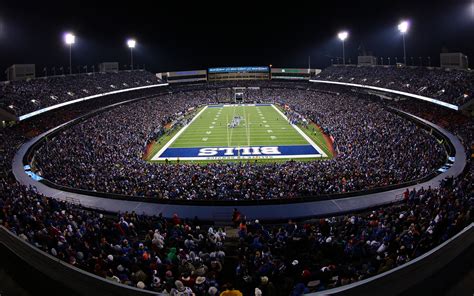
(350, 176)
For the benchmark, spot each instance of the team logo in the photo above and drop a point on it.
(239, 151)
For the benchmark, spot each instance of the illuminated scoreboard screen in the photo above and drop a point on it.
(238, 73)
(239, 70)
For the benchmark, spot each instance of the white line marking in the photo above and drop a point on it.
(243, 157)
(305, 136)
(157, 155)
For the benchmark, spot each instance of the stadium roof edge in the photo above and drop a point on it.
(431, 100)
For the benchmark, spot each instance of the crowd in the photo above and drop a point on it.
(374, 148)
(452, 86)
(177, 256)
(25, 96)
(146, 252)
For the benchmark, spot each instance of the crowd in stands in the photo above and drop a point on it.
(25, 96)
(452, 86)
(177, 256)
(374, 147)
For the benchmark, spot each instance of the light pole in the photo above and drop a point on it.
(131, 44)
(70, 39)
(403, 28)
(343, 36)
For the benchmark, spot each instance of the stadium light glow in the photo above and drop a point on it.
(131, 43)
(343, 35)
(403, 27)
(69, 38)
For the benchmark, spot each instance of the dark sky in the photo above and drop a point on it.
(233, 33)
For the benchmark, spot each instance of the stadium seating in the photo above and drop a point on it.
(176, 255)
(22, 97)
(452, 86)
(372, 146)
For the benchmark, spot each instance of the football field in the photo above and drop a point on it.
(234, 132)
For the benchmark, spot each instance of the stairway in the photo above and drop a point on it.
(231, 259)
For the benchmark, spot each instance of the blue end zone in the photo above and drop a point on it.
(253, 151)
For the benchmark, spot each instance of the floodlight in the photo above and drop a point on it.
(69, 38)
(131, 43)
(343, 35)
(403, 27)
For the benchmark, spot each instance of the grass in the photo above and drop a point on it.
(259, 126)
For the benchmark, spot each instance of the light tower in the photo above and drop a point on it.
(70, 39)
(131, 44)
(343, 36)
(403, 28)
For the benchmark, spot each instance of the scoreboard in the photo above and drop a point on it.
(238, 73)
(239, 70)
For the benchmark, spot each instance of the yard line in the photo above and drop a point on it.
(305, 136)
(248, 129)
(157, 155)
(231, 130)
(227, 129)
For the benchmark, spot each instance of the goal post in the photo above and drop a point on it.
(239, 95)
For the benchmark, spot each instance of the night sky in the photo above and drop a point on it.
(233, 33)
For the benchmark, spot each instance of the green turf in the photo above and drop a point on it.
(259, 126)
(210, 129)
